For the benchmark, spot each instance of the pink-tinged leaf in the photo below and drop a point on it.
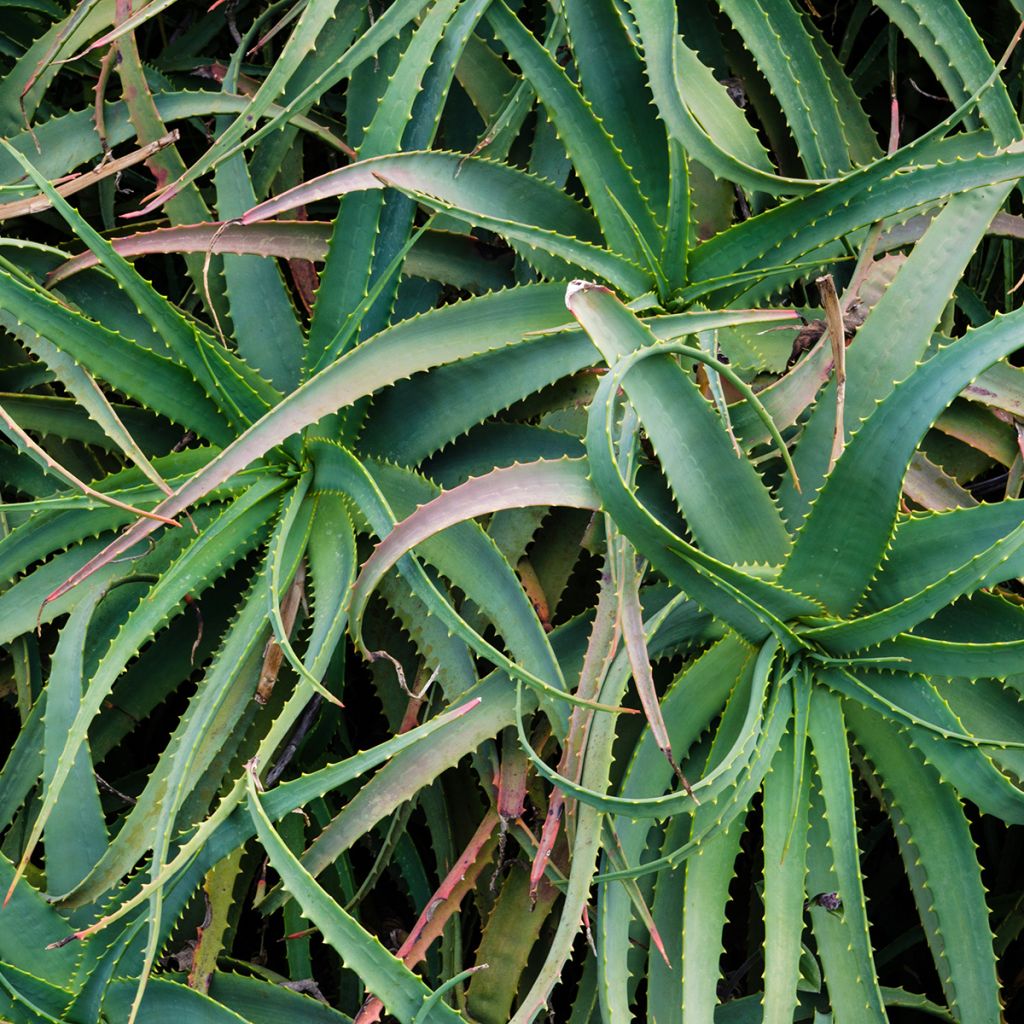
(451, 178)
(442, 905)
(617, 856)
(525, 210)
(288, 239)
(1001, 387)
(444, 256)
(444, 336)
(631, 615)
(548, 837)
(560, 482)
(512, 779)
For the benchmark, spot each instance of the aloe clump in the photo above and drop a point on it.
(510, 510)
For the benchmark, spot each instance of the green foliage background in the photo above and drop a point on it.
(511, 511)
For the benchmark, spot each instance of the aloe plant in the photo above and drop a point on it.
(415, 465)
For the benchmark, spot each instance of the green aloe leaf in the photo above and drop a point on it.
(936, 846)
(152, 379)
(372, 227)
(76, 835)
(837, 567)
(300, 43)
(233, 535)
(779, 41)
(395, 353)
(399, 989)
(700, 473)
(867, 630)
(657, 28)
(844, 941)
(613, 193)
(526, 210)
(785, 867)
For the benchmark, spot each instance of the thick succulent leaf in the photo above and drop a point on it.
(231, 825)
(854, 993)
(657, 27)
(925, 656)
(613, 193)
(926, 282)
(372, 227)
(68, 140)
(166, 1002)
(24, 88)
(76, 835)
(126, 428)
(594, 780)
(987, 707)
(926, 548)
(716, 113)
(24, 764)
(696, 696)
(467, 556)
(395, 353)
(866, 630)
(963, 760)
(122, 26)
(290, 534)
(89, 396)
(56, 523)
(27, 999)
(416, 418)
(38, 926)
(188, 206)
(708, 875)
(399, 989)
(936, 846)
(300, 43)
(944, 35)
(612, 79)
(525, 210)
(239, 398)
(491, 710)
(735, 798)
(152, 379)
(205, 730)
(24, 606)
(266, 332)
(837, 551)
(332, 569)
(507, 603)
(437, 255)
(884, 189)
(33, 452)
(514, 487)
(728, 783)
(753, 605)
(235, 532)
(775, 34)
(694, 450)
(638, 148)
(786, 808)
(263, 1003)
